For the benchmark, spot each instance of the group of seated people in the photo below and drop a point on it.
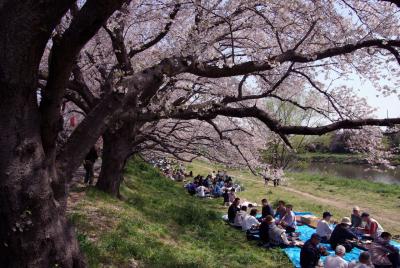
(177, 174)
(171, 169)
(360, 224)
(214, 185)
(278, 229)
(272, 232)
(344, 237)
(381, 254)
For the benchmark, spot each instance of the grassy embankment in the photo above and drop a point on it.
(329, 193)
(159, 225)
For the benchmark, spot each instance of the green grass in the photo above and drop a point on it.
(324, 180)
(159, 225)
(380, 200)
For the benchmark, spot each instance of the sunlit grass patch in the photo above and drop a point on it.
(157, 224)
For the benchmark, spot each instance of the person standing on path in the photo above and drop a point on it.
(88, 164)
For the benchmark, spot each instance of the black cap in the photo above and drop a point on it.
(326, 214)
(315, 235)
(364, 214)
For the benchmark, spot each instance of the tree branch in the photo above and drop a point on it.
(64, 51)
(160, 35)
(211, 71)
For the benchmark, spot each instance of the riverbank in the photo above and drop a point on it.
(356, 159)
(157, 224)
(321, 192)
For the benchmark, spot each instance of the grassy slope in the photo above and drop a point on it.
(377, 198)
(159, 225)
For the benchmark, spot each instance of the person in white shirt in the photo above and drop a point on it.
(250, 220)
(337, 260)
(240, 216)
(288, 221)
(324, 228)
(201, 191)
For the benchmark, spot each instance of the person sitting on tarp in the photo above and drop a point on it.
(266, 209)
(250, 221)
(364, 261)
(220, 182)
(310, 252)
(233, 210)
(383, 254)
(191, 188)
(240, 217)
(232, 195)
(372, 227)
(225, 196)
(324, 228)
(341, 234)
(202, 191)
(337, 261)
(217, 191)
(288, 221)
(280, 210)
(264, 229)
(277, 235)
(356, 218)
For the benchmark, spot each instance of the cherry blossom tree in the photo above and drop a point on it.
(116, 64)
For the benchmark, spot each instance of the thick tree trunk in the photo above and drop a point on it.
(116, 150)
(34, 231)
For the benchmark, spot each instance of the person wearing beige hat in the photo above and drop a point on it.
(342, 234)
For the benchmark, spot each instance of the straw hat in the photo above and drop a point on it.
(346, 220)
(356, 208)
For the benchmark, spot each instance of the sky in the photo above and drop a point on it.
(386, 106)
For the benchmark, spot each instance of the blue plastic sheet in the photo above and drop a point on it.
(305, 233)
(396, 244)
(297, 213)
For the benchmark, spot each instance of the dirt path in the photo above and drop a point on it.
(331, 202)
(384, 216)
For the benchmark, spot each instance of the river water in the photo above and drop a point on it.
(388, 176)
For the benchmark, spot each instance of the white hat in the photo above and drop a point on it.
(346, 220)
(340, 249)
(356, 208)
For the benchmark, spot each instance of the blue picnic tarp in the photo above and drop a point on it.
(297, 213)
(305, 233)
